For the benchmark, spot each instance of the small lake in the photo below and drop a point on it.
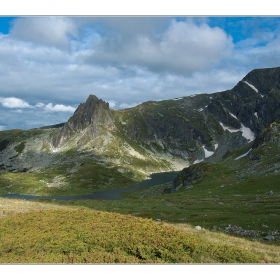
(156, 179)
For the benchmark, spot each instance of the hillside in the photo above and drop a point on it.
(55, 236)
(50, 233)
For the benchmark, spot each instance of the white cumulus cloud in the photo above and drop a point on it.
(112, 103)
(13, 102)
(182, 48)
(50, 31)
(40, 105)
(59, 108)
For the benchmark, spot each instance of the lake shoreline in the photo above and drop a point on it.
(113, 194)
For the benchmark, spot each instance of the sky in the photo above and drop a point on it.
(51, 64)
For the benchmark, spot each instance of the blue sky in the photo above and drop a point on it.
(49, 65)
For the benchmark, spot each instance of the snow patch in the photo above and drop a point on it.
(247, 133)
(256, 114)
(178, 98)
(207, 153)
(244, 155)
(251, 86)
(200, 109)
(216, 146)
(233, 115)
(229, 129)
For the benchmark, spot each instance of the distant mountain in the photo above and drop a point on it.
(155, 135)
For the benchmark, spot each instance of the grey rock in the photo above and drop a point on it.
(241, 232)
(269, 193)
(187, 177)
(270, 238)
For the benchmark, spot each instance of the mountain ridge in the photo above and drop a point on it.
(154, 136)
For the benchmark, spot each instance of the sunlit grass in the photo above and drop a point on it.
(83, 236)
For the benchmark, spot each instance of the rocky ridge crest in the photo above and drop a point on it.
(88, 117)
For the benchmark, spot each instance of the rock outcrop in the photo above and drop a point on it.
(187, 177)
(88, 117)
(269, 134)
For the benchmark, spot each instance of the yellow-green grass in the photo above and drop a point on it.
(83, 236)
(265, 253)
(10, 207)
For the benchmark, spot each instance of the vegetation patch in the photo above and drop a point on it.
(55, 236)
(4, 144)
(20, 147)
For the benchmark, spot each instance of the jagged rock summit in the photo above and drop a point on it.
(88, 117)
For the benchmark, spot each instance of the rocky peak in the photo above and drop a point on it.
(88, 116)
(89, 112)
(254, 101)
(263, 80)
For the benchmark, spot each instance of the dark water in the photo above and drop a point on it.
(156, 179)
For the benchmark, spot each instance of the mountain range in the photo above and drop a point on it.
(155, 136)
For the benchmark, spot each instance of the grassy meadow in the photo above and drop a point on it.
(77, 236)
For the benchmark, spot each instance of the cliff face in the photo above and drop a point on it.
(89, 116)
(254, 101)
(200, 125)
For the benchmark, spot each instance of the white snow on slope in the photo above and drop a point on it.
(207, 153)
(243, 155)
(229, 129)
(246, 131)
(251, 86)
(233, 115)
(256, 114)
